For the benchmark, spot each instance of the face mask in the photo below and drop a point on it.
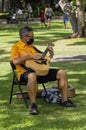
(31, 40)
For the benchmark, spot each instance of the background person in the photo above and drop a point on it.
(19, 11)
(48, 13)
(56, 8)
(30, 10)
(42, 18)
(65, 20)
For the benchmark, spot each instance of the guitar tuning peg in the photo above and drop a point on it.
(51, 44)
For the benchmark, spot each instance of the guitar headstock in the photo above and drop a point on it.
(51, 44)
(47, 49)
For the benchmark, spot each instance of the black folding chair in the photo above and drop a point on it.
(15, 81)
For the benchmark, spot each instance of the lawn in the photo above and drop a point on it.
(52, 116)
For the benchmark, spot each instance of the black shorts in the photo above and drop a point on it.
(49, 17)
(51, 76)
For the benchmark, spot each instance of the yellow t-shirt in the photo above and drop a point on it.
(21, 49)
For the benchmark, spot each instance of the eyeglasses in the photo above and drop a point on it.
(29, 36)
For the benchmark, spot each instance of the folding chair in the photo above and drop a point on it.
(15, 81)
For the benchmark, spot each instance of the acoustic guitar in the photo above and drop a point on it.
(41, 67)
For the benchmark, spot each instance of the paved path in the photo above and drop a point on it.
(36, 20)
(81, 57)
(4, 21)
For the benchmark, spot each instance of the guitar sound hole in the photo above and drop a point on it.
(43, 61)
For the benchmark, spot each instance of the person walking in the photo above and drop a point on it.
(42, 18)
(49, 13)
(65, 20)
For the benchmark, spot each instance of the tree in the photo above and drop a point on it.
(80, 18)
(77, 21)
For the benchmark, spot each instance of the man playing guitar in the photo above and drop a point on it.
(24, 50)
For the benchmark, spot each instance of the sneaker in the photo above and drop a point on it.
(68, 103)
(33, 109)
(48, 26)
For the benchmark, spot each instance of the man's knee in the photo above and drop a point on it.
(61, 74)
(32, 77)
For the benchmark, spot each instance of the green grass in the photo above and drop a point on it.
(52, 116)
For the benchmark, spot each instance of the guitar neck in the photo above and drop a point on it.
(45, 52)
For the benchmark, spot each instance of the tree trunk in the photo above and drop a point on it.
(81, 18)
(2, 5)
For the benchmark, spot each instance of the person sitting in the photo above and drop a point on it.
(25, 50)
(30, 11)
(19, 11)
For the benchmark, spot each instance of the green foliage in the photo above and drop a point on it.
(51, 116)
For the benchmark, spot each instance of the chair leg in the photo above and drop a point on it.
(11, 93)
(44, 89)
(26, 104)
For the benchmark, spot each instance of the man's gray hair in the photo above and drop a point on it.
(24, 31)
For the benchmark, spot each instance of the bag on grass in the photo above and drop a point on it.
(53, 95)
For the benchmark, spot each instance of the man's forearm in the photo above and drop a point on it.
(21, 59)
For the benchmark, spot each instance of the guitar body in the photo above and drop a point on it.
(41, 67)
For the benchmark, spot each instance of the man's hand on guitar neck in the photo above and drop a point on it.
(51, 51)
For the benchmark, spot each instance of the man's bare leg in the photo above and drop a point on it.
(32, 87)
(62, 84)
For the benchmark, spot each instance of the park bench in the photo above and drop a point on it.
(21, 17)
(18, 18)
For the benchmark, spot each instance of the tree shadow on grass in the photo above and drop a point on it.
(76, 72)
(7, 58)
(48, 34)
(77, 43)
(4, 55)
(44, 39)
(2, 51)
